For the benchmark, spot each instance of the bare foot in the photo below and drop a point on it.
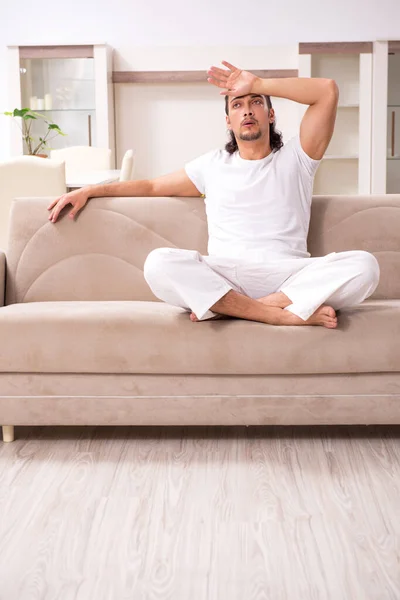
(324, 316)
(278, 299)
(194, 319)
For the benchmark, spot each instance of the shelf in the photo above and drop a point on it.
(188, 76)
(344, 157)
(348, 106)
(39, 110)
(393, 158)
(393, 105)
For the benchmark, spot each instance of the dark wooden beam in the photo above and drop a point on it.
(56, 52)
(187, 76)
(336, 48)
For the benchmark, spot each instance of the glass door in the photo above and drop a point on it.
(63, 91)
(393, 126)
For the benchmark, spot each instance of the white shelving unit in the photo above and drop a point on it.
(74, 82)
(393, 124)
(346, 166)
(393, 137)
(386, 126)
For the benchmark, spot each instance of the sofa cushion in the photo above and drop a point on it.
(153, 337)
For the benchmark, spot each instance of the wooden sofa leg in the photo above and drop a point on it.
(8, 433)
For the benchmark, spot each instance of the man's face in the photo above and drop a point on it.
(248, 117)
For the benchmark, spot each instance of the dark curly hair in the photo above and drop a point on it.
(275, 136)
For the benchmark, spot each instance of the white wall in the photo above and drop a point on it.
(136, 29)
(168, 124)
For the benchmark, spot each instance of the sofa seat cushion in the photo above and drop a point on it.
(153, 337)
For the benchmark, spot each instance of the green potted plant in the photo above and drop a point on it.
(28, 116)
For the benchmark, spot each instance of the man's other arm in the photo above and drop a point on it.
(172, 184)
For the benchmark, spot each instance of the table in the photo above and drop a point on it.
(78, 180)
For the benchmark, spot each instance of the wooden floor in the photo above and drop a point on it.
(200, 514)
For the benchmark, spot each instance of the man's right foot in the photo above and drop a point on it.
(194, 319)
(278, 299)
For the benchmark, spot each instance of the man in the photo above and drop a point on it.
(258, 197)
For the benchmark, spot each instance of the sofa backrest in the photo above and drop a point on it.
(100, 255)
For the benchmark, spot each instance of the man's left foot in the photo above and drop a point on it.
(324, 316)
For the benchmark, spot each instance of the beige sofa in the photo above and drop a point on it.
(83, 341)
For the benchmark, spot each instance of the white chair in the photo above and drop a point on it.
(83, 158)
(126, 173)
(26, 176)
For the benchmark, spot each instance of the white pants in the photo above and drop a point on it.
(194, 282)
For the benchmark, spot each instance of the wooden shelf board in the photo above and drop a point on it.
(188, 76)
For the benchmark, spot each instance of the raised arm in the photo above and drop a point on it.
(173, 184)
(320, 94)
(318, 123)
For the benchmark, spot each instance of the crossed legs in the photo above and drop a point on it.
(310, 293)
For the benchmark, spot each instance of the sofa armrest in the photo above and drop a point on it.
(2, 277)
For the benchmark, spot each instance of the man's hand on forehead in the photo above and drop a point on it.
(233, 81)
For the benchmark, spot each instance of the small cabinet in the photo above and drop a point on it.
(72, 86)
(346, 166)
(393, 124)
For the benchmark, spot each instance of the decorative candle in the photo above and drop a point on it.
(40, 104)
(33, 102)
(48, 102)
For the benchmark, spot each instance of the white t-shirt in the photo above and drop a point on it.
(256, 209)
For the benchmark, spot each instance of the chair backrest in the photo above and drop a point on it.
(27, 176)
(83, 158)
(127, 166)
(100, 254)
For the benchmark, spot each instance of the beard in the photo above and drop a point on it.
(249, 137)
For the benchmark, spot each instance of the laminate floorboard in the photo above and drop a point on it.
(118, 513)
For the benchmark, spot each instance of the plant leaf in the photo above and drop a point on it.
(20, 112)
(56, 128)
(9, 114)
